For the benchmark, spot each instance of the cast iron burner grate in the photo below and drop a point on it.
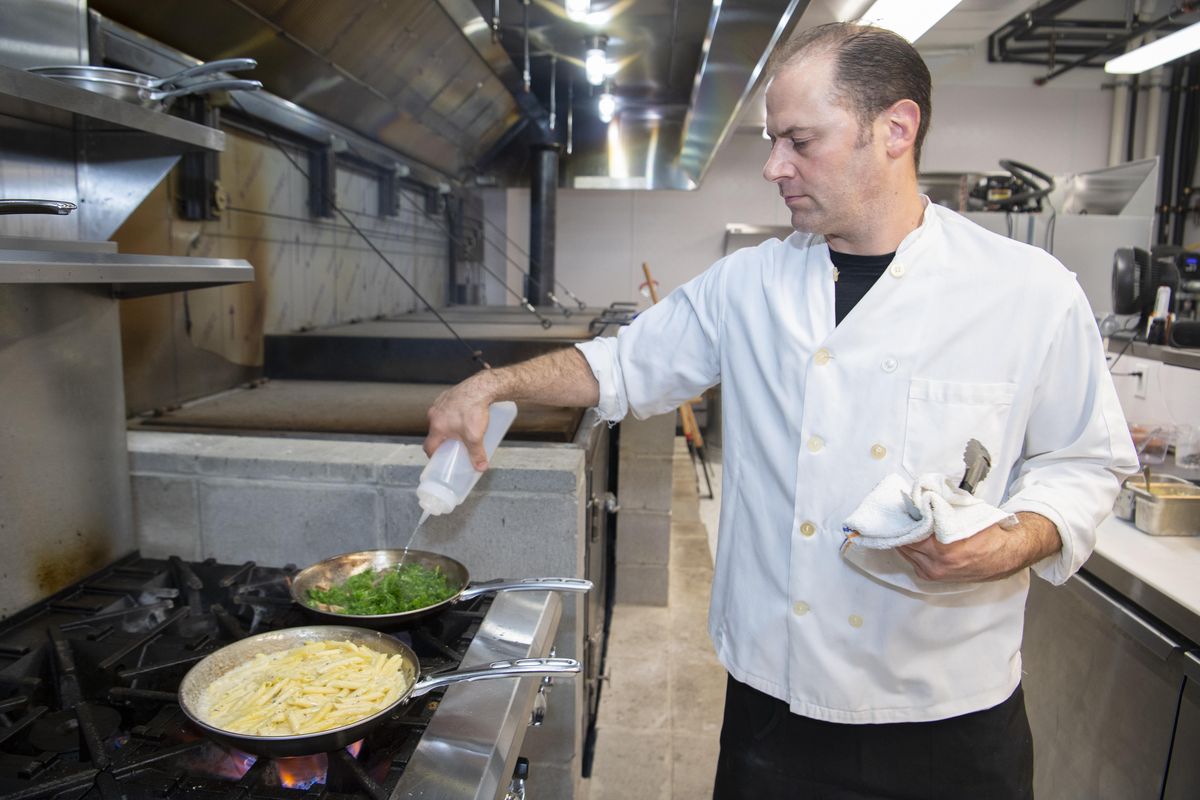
(88, 683)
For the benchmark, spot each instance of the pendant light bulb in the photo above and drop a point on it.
(606, 106)
(578, 10)
(595, 60)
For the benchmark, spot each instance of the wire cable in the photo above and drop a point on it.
(476, 354)
(528, 306)
(524, 301)
(582, 305)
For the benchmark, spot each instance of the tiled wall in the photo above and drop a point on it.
(308, 272)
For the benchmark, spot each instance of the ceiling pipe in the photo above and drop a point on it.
(1180, 10)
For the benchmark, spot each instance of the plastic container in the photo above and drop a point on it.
(449, 476)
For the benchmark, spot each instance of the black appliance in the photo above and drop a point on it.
(1021, 190)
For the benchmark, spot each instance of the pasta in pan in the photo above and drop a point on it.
(310, 688)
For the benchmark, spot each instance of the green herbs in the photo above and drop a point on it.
(390, 591)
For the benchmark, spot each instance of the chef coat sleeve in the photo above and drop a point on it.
(1077, 447)
(669, 354)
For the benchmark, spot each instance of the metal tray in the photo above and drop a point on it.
(1168, 509)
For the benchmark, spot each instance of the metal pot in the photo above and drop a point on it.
(333, 571)
(79, 74)
(199, 677)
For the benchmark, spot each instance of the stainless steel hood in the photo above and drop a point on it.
(442, 80)
(402, 73)
(684, 72)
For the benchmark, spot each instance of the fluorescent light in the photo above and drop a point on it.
(578, 10)
(595, 64)
(606, 106)
(1158, 52)
(909, 18)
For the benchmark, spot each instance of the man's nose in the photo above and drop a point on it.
(777, 167)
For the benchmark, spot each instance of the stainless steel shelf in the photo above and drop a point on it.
(31, 97)
(129, 275)
(1168, 355)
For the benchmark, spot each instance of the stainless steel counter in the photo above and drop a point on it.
(471, 746)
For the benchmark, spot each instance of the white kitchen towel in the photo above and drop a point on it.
(896, 513)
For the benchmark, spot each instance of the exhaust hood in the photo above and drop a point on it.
(448, 82)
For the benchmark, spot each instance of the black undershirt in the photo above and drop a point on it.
(855, 277)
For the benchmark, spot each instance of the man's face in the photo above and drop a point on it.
(827, 171)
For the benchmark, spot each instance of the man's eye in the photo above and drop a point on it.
(799, 144)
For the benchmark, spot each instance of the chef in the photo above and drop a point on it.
(876, 340)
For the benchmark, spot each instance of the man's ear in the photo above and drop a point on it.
(901, 122)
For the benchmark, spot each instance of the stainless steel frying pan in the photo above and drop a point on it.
(83, 72)
(333, 571)
(191, 690)
(136, 91)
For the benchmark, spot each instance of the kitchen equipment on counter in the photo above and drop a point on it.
(60, 207)
(1167, 510)
(201, 676)
(1152, 442)
(334, 571)
(1163, 505)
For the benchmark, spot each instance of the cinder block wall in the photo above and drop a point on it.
(644, 521)
(293, 501)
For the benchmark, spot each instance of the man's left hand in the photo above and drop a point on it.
(991, 554)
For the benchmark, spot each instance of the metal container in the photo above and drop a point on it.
(1166, 509)
(1123, 506)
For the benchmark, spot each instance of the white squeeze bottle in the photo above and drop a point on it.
(449, 476)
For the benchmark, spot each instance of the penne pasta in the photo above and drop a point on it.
(310, 688)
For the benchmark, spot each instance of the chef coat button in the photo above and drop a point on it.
(800, 608)
(897, 269)
(808, 529)
(878, 452)
(815, 444)
(856, 621)
(822, 357)
(889, 364)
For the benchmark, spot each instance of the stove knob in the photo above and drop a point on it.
(516, 788)
(538, 716)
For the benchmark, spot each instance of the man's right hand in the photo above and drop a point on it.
(461, 412)
(559, 378)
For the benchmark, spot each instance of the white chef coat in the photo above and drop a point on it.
(967, 335)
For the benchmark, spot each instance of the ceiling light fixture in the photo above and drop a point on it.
(1157, 53)
(595, 61)
(910, 20)
(578, 10)
(606, 105)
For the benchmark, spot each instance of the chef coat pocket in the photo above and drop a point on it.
(944, 415)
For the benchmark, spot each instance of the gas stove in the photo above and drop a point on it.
(88, 682)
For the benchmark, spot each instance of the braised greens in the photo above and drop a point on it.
(391, 591)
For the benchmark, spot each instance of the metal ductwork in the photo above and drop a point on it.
(463, 86)
(542, 215)
(681, 81)
(402, 73)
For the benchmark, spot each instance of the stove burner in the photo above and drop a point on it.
(89, 685)
(58, 731)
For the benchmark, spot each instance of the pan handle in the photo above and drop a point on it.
(221, 65)
(229, 84)
(498, 669)
(526, 585)
(36, 207)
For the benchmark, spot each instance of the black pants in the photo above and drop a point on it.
(769, 753)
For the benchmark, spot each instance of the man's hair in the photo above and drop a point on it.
(873, 69)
